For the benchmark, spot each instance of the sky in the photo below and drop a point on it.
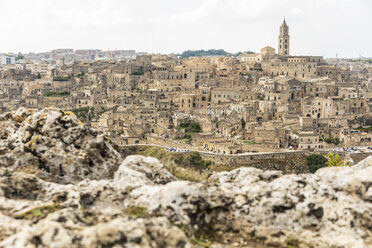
(317, 27)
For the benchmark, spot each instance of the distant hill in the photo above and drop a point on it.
(210, 52)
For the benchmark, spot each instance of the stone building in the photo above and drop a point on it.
(283, 40)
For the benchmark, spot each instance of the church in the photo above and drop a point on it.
(283, 64)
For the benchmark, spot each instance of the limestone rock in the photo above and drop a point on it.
(56, 146)
(138, 170)
(364, 163)
(69, 228)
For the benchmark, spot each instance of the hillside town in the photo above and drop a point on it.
(255, 102)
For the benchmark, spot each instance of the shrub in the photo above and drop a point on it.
(80, 74)
(336, 161)
(315, 162)
(138, 73)
(335, 141)
(191, 127)
(197, 161)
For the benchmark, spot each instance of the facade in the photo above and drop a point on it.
(7, 60)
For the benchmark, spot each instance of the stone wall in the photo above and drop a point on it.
(287, 162)
(167, 142)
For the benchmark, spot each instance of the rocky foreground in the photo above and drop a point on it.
(64, 185)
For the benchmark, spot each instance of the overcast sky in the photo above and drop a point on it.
(317, 27)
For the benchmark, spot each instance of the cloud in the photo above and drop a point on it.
(316, 26)
(296, 12)
(227, 10)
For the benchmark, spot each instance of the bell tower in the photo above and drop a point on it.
(283, 47)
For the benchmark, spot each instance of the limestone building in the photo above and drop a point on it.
(283, 47)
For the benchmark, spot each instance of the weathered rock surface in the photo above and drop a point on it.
(140, 204)
(56, 146)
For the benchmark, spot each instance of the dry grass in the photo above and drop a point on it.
(181, 166)
(39, 212)
(135, 211)
(188, 174)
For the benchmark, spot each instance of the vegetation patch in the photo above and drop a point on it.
(61, 79)
(188, 166)
(248, 142)
(292, 243)
(334, 141)
(152, 151)
(187, 174)
(294, 130)
(138, 73)
(191, 127)
(84, 114)
(39, 212)
(315, 162)
(138, 212)
(81, 74)
(205, 236)
(201, 241)
(336, 161)
(57, 94)
(210, 52)
(364, 128)
(192, 167)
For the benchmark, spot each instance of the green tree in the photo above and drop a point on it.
(191, 127)
(335, 141)
(243, 123)
(198, 162)
(20, 56)
(194, 127)
(315, 162)
(210, 52)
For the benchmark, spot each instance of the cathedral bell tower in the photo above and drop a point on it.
(283, 47)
